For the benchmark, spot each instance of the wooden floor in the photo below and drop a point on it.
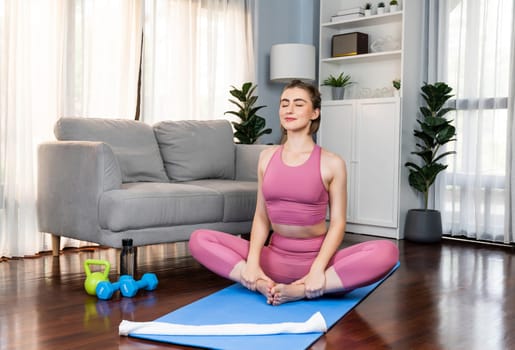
(451, 295)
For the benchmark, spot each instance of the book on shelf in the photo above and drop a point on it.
(338, 18)
(349, 11)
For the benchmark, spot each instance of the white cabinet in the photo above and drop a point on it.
(376, 162)
(365, 133)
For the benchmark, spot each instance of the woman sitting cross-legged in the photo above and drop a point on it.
(297, 181)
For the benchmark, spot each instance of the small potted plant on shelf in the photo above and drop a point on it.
(380, 8)
(368, 9)
(394, 5)
(425, 225)
(338, 84)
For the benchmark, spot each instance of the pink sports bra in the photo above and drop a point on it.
(295, 195)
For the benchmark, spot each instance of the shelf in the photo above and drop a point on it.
(362, 100)
(363, 57)
(365, 21)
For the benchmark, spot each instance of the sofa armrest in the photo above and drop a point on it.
(247, 157)
(72, 175)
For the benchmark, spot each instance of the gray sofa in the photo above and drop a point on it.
(104, 180)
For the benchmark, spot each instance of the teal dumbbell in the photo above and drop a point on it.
(106, 289)
(129, 288)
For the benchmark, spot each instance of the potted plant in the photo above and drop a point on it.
(394, 5)
(425, 225)
(338, 84)
(380, 8)
(368, 9)
(251, 126)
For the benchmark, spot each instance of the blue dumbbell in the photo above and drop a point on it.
(129, 288)
(105, 289)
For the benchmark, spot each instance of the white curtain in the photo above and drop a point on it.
(194, 50)
(30, 60)
(102, 58)
(474, 56)
(57, 58)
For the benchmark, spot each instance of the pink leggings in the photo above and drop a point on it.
(286, 260)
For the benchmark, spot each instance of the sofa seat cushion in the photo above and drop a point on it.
(239, 197)
(196, 149)
(133, 143)
(143, 205)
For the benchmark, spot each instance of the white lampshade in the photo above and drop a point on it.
(292, 61)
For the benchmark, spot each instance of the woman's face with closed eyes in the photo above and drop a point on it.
(296, 109)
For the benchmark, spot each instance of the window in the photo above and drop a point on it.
(476, 64)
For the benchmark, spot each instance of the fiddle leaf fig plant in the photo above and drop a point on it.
(435, 131)
(252, 126)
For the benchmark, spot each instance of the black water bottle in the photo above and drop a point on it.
(128, 258)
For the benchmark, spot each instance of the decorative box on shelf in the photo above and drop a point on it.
(349, 44)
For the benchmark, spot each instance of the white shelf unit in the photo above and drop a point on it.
(372, 71)
(374, 134)
(364, 57)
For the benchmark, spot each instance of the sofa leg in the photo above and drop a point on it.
(56, 245)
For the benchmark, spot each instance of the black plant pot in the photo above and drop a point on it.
(423, 226)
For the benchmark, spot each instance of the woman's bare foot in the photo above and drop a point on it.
(283, 293)
(265, 288)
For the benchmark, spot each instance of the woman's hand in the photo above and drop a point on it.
(250, 275)
(314, 284)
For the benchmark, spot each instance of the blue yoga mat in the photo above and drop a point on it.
(235, 304)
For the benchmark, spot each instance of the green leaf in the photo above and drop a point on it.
(417, 181)
(255, 109)
(435, 121)
(431, 171)
(426, 112)
(240, 106)
(259, 123)
(446, 134)
(251, 101)
(234, 113)
(428, 140)
(426, 155)
(339, 81)
(445, 154)
(238, 94)
(412, 165)
(245, 88)
(444, 111)
(251, 91)
(264, 132)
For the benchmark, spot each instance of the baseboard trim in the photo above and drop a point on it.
(478, 241)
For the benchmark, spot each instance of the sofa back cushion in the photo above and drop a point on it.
(133, 143)
(196, 149)
(247, 159)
